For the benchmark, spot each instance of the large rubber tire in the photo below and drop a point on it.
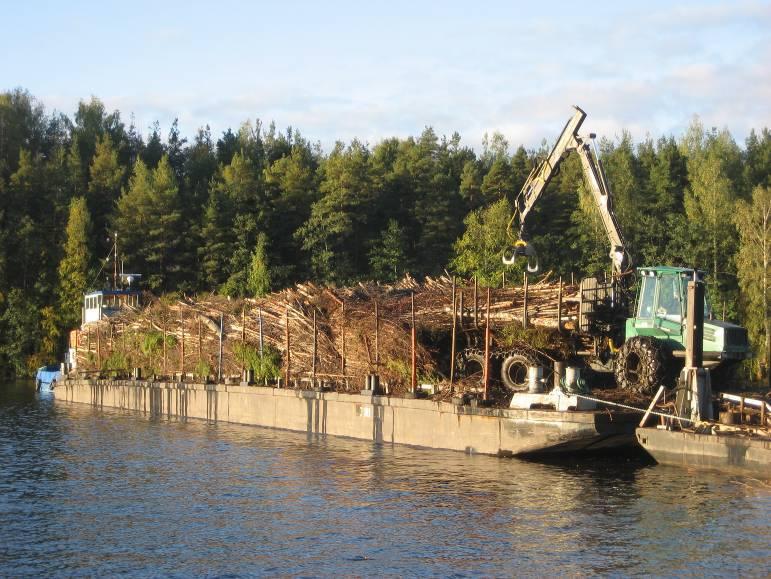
(471, 362)
(514, 370)
(641, 365)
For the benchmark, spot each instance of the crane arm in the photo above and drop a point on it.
(598, 185)
(538, 180)
(542, 174)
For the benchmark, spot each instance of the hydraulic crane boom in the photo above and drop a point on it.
(537, 181)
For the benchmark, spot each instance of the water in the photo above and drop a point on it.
(88, 492)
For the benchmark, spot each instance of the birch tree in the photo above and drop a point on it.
(753, 221)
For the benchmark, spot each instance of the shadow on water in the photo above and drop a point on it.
(103, 492)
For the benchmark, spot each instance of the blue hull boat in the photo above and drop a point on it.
(47, 377)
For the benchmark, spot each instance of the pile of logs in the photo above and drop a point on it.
(332, 335)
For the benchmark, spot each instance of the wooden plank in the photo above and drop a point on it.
(652, 404)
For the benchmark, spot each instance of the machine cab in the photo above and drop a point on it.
(661, 304)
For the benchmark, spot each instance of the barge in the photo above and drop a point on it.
(729, 451)
(380, 419)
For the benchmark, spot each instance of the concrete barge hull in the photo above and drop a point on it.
(724, 452)
(422, 423)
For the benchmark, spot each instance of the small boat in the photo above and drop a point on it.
(46, 378)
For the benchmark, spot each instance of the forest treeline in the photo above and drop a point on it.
(257, 208)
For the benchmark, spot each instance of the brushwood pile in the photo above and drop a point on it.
(315, 334)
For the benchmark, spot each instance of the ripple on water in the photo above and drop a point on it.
(106, 492)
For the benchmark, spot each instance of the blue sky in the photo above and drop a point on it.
(339, 70)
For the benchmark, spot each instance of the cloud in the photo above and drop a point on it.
(647, 70)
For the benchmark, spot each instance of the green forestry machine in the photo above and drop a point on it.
(642, 340)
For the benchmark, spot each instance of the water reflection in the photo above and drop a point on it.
(105, 492)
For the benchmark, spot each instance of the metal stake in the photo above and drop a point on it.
(288, 353)
(454, 333)
(486, 369)
(414, 339)
(377, 336)
(315, 349)
(259, 314)
(219, 362)
(524, 304)
(559, 307)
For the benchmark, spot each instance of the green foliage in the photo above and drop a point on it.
(104, 185)
(49, 334)
(152, 342)
(333, 234)
(388, 256)
(202, 369)
(151, 345)
(215, 245)
(478, 252)
(266, 367)
(75, 265)
(20, 330)
(497, 184)
(538, 338)
(117, 360)
(399, 369)
(258, 279)
(753, 221)
(471, 184)
(261, 208)
(148, 220)
(245, 229)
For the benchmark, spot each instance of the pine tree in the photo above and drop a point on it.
(163, 234)
(471, 185)
(200, 168)
(154, 150)
(497, 183)
(75, 265)
(216, 241)
(258, 280)
(292, 188)
(147, 220)
(133, 213)
(26, 207)
(333, 235)
(388, 255)
(245, 235)
(240, 182)
(103, 189)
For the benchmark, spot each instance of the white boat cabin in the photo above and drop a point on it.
(101, 304)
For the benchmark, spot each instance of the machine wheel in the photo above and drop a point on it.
(472, 363)
(514, 370)
(641, 365)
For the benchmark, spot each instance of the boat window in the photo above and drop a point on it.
(647, 293)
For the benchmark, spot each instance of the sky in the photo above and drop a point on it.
(338, 70)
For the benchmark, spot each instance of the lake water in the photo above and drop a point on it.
(89, 492)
